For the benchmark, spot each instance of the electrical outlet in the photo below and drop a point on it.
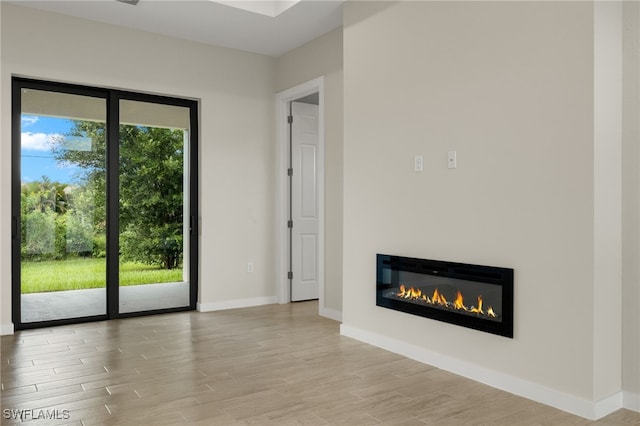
(249, 266)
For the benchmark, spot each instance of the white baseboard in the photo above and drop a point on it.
(237, 303)
(536, 392)
(606, 406)
(331, 314)
(631, 401)
(6, 329)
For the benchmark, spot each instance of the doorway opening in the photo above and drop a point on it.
(300, 193)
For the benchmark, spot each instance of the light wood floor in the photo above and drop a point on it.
(269, 365)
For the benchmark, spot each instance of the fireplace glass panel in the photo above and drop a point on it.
(461, 296)
(474, 296)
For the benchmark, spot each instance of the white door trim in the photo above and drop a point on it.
(282, 154)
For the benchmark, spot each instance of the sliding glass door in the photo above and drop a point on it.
(154, 206)
(62, 201)
(104, 200)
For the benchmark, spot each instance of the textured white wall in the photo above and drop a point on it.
(5, 327)
(236, 92)
(510, 87)
(607, 184)
(631, 204)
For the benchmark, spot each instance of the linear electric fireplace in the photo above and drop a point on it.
(473, 296)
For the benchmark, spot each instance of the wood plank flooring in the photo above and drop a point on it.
(268, 365)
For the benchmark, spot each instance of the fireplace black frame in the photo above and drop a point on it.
(478, 273)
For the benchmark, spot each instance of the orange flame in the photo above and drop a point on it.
(459, 302)
(479, 308)
(415, 293)
(439, 299)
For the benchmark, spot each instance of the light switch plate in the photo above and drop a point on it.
(418, 163)
(452, 160)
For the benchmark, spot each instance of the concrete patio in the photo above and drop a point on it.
(83, 303)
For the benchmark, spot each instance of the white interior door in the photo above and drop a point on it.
(304, 202)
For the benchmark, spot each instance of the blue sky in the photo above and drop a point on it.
(38, 132)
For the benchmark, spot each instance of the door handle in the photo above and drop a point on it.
(192, 225)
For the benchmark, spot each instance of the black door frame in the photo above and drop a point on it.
(112, 98)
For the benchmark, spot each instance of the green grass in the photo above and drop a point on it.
(77, 274)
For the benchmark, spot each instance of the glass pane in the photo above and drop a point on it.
(154, 234)
(63, 226)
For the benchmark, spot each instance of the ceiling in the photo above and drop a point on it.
(219, 24)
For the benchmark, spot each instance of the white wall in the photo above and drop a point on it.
(236, 92)
(510, 87)
(323, 57)
(607, 189)
(631, 205)
(5, 328)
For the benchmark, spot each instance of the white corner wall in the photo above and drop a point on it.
(631, 206)
(323, 57)
(607, 189)
(512, 87)
(5, 328)
(235, 91)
